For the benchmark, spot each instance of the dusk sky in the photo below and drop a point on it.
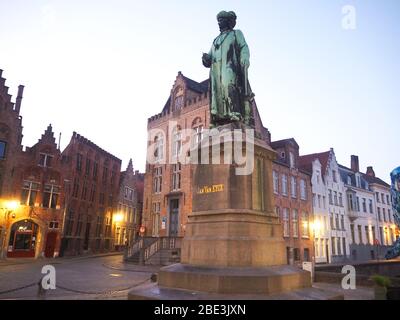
(102, 68)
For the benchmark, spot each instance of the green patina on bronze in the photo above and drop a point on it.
(229, 60)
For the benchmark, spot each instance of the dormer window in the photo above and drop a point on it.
(283, 155)
(178, 103)
(45, 160)
(179, 100)
(349, 180)
(292, 164)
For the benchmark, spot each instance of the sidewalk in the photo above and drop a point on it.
(19, 261)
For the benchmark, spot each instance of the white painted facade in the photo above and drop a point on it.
(331, 224)
(384, 215)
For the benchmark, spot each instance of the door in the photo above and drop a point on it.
(173, 217)
(22, 241)
(50, 244)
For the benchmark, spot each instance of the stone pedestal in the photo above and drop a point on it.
(233, 242)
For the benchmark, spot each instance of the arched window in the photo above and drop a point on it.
(179, 99)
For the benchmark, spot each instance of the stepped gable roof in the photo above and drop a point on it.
(305, 162)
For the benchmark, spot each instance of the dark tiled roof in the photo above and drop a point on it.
(199, 87)
(283, 143)
(375, 180)
(305, 162)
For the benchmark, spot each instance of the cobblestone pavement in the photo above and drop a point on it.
(104, 277)
(98, 278)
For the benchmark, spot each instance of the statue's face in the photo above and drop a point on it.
(223, 24)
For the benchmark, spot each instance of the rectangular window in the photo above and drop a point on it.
(305, 225)
(353, 236)
(330, 197)
(314, 199)
(373, 235)
(176, 177)
(387, 199)
(340, 199)
(79, 226)
(276, 181)
(334, 176)
(293, 188)
(50, 196)
(319, 201)
(105, 174)
(324, 201)
(45, 160)
(79, 162)
(377, 197)
(291, 159)
(29, 193)
(284, 184)
(333, 243)
(3, 148)
(360, 237)
(95, 167)
(157, 182)
(342, 221)
(364, 205)
(367, 235)
(92, 193)
(69, 225)
(303, 189)
(389, 215)
(87, 168)
(383, 198)
(75, 190)
(358, 204)
(332, 222)
(379, 214)
(339, 246)
(336, 198)
(384, 214)
(337, 221)
(84, 191)
(371, 209)
(350, 202)
(286, 222)
(344, 246)
(295, 223)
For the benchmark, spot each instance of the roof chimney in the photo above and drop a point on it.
(370, 172)
(355, 166)
(19, 98)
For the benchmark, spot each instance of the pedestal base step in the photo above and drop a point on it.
(234, 280)
(151, 291)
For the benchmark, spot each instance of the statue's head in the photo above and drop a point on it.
(395, 177)
(226, 20)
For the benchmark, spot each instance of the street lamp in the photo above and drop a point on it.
(10, 207)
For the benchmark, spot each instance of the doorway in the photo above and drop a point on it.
(173, 217)
(50, 244)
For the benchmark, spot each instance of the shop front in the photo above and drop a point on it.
(23, 239)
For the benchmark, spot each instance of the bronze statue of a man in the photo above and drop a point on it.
(229, 60)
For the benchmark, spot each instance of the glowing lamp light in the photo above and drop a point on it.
(316, 226)
(12, 205)
(118, 217)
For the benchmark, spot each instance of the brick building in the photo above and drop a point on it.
(92, 175)
(168, 183)
(31, 181)
(293, 201)
(10, 144)
(130, 203)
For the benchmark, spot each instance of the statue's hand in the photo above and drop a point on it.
(206, 60)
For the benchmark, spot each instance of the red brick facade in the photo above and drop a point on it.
(92, 176)
(57, 203)
(293, 201)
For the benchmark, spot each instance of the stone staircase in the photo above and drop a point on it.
(161, 251)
